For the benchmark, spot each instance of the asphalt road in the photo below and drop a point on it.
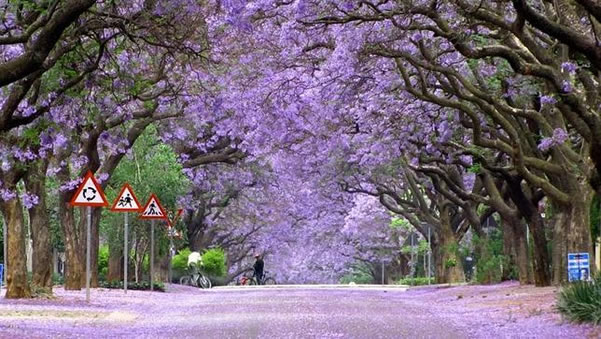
(186, 312)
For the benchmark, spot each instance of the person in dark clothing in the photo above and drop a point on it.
(258, 267)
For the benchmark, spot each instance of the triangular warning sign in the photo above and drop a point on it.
(153, 209)
(176, 215)
(126, 200)
(89, 193)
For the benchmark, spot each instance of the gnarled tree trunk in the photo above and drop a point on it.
(449, 268)
(509, 248)
(35, 182)
(16, 274)
(572, 233)
(73, 264)
(520, 245)
(541, 261)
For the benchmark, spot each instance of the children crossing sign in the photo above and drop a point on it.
(153, 209)
(126, 201)
(89, 193)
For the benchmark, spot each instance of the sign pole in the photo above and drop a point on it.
(88, 248)
(126, 202)
(153, 210)
(151, 254)
(170, 278)
(5, 243)
(89, 194)
(125, 253)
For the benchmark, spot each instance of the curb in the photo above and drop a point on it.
(437, 286)
(400, 288)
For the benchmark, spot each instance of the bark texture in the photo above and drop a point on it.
(16, 273)
(35, 182)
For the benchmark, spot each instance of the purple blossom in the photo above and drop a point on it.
(6, 194)
(60, 141)
(569, 67)
(547, 100)
(29, 111)
(6, 166)
(71, 185)
(348, 6)
(559, 136)
(46, 139)
(545, 144)
(566, 87)
(29, 200)
(102, 177)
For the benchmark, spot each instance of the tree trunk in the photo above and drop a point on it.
(572, 233)
(527, 204)
(559, 249)
(73, 264)
(449, 268)
(115, 264)
(199, 241)
(16, 274)
(541, 261)
(35, 182)
(521, 251)
(509, 248)
(95, 245)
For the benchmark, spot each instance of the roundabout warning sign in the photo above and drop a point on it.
(89, 193)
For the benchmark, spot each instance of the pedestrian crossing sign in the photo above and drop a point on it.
(153, 209)
(126, 201)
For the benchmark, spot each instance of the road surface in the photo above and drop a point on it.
(185, 312)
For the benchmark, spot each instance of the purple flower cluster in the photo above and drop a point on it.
(569, 67)
(29, 200)
(7, 194)
(71, 185)
(559, 137)
(547, 100)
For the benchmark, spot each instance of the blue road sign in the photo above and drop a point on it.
(578, 267)
(1, 275)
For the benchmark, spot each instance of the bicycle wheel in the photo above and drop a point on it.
(269, 281)
(185, 280)
(204, 282)
(252, 281)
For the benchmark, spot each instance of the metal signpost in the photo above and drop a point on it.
(1, 275)
(89, 194)
(5, 235)
(578, 267)
(152, 254)
(153, 211)
(126, 202)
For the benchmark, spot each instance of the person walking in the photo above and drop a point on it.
(258, 268)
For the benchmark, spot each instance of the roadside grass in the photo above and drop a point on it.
(580, 302)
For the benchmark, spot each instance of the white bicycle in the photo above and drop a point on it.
(195, 278)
